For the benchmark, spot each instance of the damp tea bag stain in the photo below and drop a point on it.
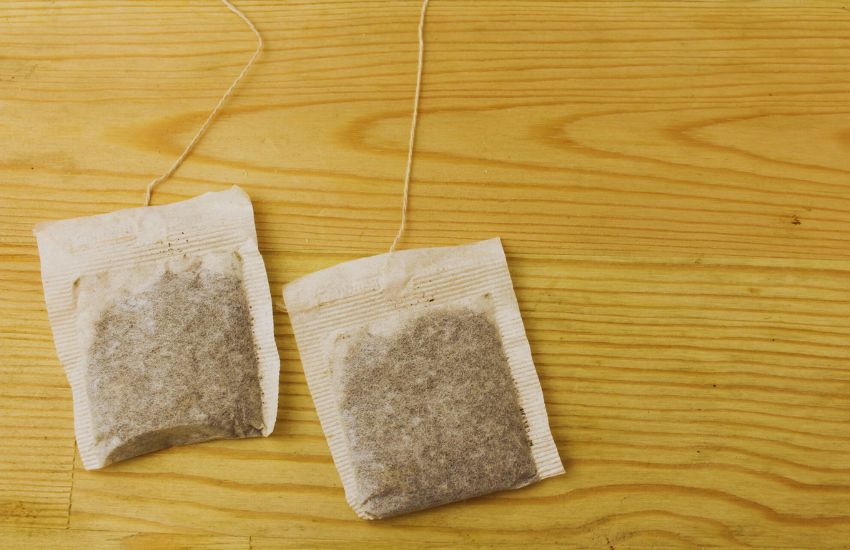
(162, 319)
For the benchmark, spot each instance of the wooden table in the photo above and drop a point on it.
(671, 184)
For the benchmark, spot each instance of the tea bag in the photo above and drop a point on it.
(422, 376)
(162, 319)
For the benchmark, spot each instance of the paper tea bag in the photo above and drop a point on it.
(422, 377)
(162, 319)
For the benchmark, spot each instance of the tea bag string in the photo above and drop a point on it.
(214, 113)
(412, 139)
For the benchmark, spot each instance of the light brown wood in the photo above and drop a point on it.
(670, 182)
(72, 539)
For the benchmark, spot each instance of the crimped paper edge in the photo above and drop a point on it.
(367, 282)
(196, 226)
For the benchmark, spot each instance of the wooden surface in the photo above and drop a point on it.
(670, 181)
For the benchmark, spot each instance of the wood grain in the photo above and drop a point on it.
(670, 183)
(73, 539)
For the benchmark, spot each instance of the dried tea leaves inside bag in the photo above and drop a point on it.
(170, 355)
(162, 319)
(422, 377)
(431, 412)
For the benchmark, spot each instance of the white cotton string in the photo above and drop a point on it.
(200, 133)
(407, 169)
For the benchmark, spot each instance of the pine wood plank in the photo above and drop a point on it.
(36, 422)
(669, 181)
(72, 539)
